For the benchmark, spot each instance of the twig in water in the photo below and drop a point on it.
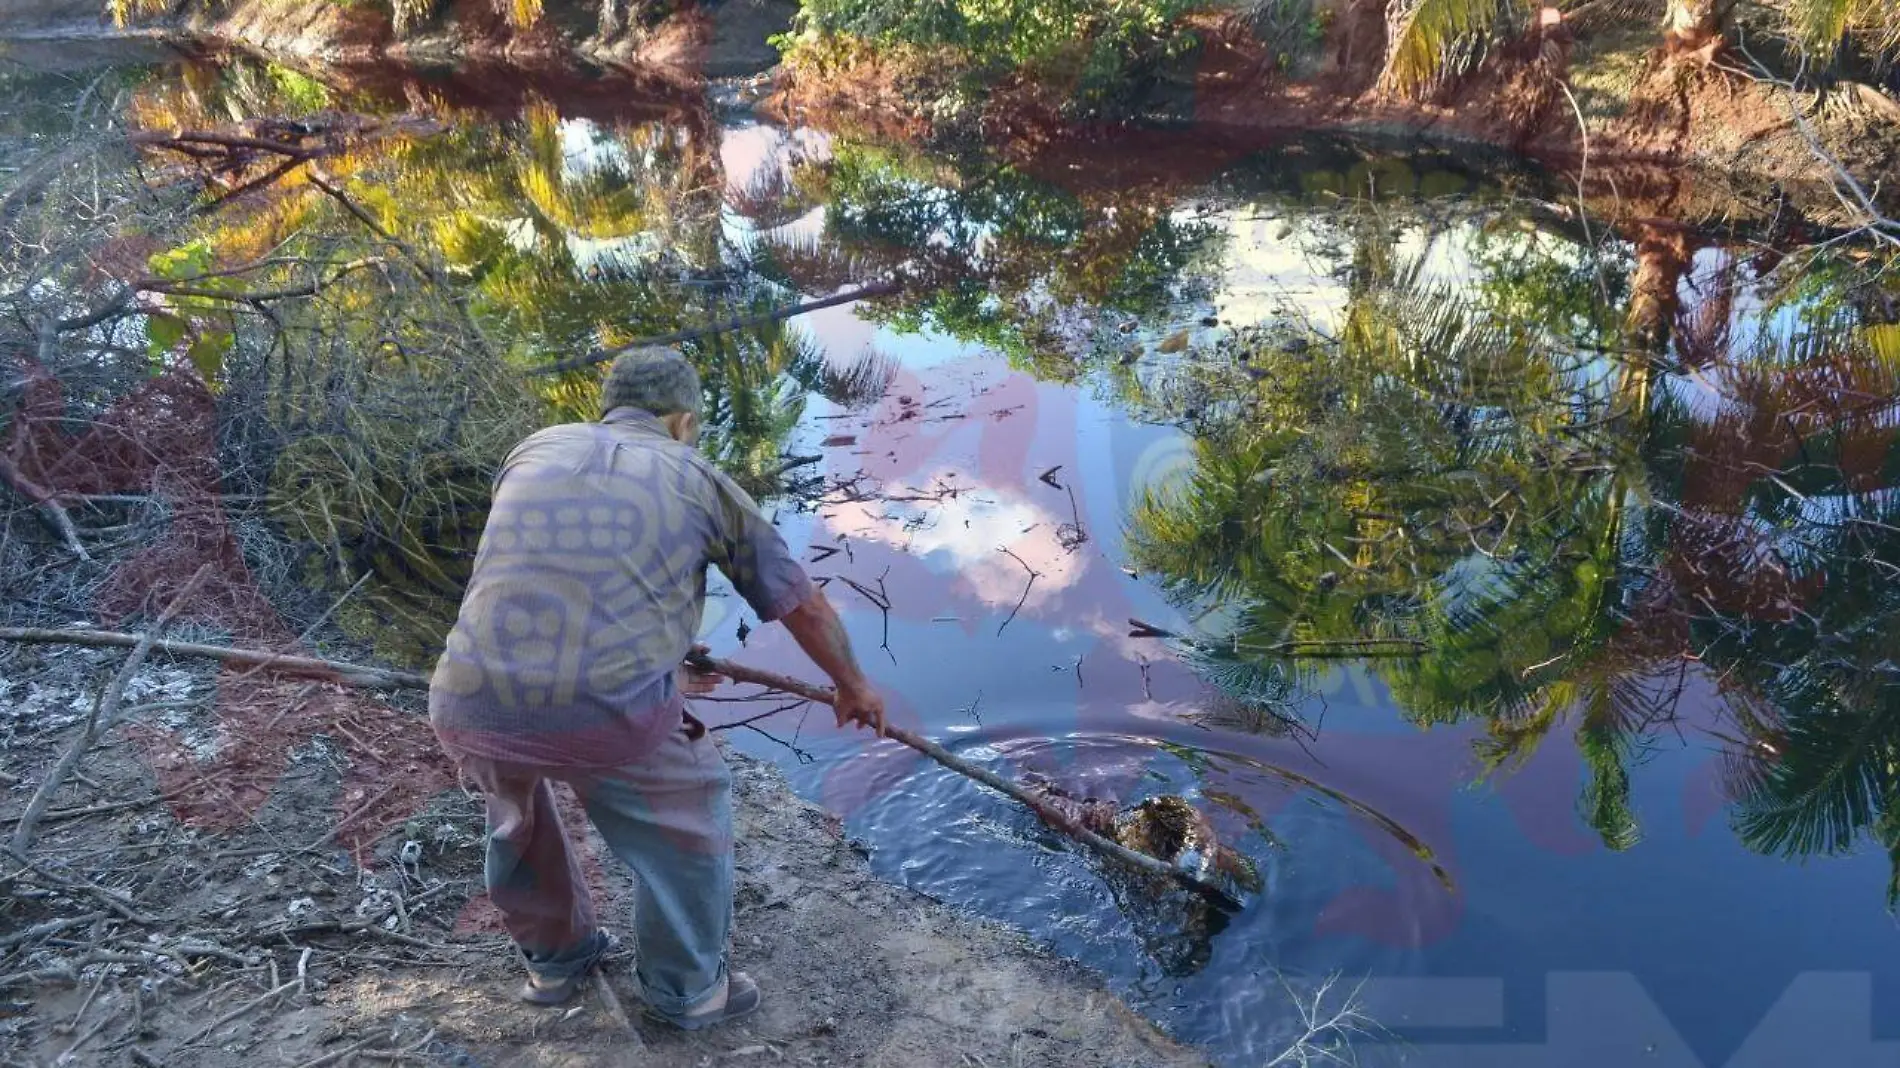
(749, 720)
(1326, 1033)
(880, 289)
(882, 599)
(1138, 629)
(803, 755)
(1027, 586)
(793, 463)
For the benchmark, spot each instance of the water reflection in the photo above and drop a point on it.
(493, 245)
(1511, 476)
(1538, 531)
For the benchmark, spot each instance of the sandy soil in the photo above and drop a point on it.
(191, 929)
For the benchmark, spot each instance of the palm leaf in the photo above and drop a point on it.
(1429, 30)
(860, 383)
(1828, 786)
(1820, 24)
(1605, 802)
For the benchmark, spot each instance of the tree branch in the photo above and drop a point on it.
(104, 711)
(1049, 815)
(879, 289)
(372, 678)
(46, 503)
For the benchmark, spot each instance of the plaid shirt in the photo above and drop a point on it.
(587, 591)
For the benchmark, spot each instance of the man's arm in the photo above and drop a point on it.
(755, 558)
(819, 631)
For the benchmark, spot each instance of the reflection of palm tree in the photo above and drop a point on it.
(506, 244)
(1627, 536)
(1817, 766)
(1433, 478)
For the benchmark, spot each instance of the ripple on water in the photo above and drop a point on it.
(1204, 976)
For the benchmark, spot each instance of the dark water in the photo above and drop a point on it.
(1542, 665)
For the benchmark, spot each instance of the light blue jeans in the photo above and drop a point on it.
(668, 818)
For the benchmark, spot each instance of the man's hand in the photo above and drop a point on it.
(860, 704)
(695, 683)
(820, 633)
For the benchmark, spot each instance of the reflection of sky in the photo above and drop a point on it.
(1672, 953)
(1277, 264)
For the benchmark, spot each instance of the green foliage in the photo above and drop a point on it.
(200, 316)
(1291, 30)
(1822, 27)
(993, 253)
(394, 391)
(1429, 30)
(1461, 469)
(1092, 44)
(302, 93)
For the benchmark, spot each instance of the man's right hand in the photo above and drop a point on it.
(818, 630)
(862, 705)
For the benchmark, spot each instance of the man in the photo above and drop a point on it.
(564, 664)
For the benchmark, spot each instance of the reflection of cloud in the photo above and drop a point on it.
(967, 532)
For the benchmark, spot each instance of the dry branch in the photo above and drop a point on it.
(879, 289)
(361, 675)
(99, 720)
(370, 677)
(46, 503)
(1048, 813)
(234, 1014)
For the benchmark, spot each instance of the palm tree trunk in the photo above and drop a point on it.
(1693, 26)
(1662, 257)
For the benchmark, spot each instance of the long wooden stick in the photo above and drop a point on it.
(369, 678)
(1047, 812)
(382, 678)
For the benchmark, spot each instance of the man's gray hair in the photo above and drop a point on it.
(655, 379)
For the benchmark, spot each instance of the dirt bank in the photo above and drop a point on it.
(144, 931)
(1570, 96)
(691, 42)
(1596, 87)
